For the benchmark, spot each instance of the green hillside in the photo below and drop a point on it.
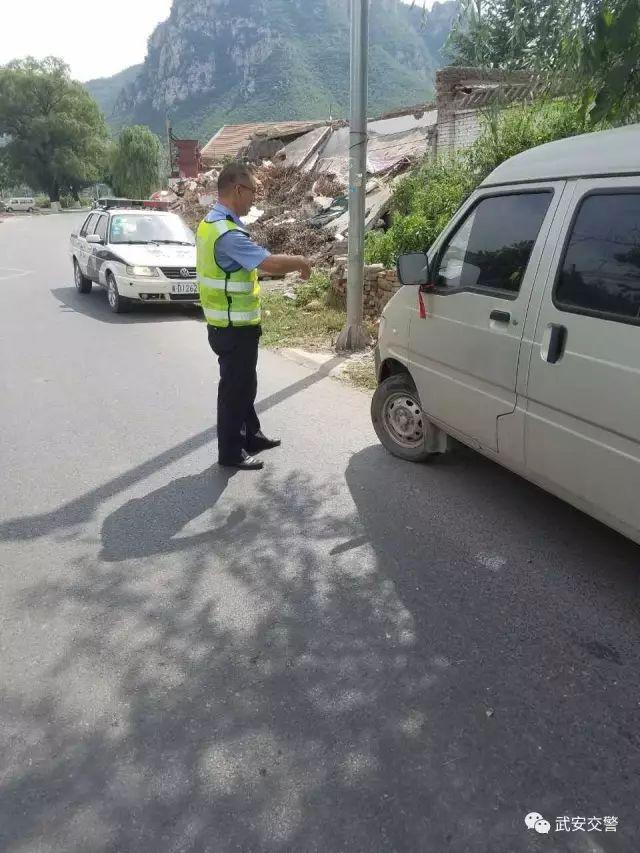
(211, 64)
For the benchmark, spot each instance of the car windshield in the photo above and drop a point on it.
(147, 228)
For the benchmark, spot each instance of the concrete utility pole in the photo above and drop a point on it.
(354, 335)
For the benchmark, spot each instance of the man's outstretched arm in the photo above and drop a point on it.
(282, 264)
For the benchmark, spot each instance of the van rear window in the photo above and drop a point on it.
(600, 273)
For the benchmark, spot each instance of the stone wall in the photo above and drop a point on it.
(379, 286)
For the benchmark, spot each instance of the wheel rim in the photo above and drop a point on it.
(112, 293)
(76, 275)
(402, 418)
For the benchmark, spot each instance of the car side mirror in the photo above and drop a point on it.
(95, 238)
(413, 268)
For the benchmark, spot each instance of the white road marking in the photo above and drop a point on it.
(491, 561)
(14, 272)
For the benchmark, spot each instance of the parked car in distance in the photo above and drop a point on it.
(518, 332)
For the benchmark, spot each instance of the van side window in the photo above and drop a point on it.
(491, 248)
(600, 273)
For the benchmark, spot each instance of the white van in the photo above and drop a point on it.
(20, 204)
(518, 333)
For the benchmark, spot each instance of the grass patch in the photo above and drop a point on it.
(361, 373)
(285, 324)
(313, 321)
(314, 324)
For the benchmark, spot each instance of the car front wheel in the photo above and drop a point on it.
(82, 283)
(396, 414)
(116, 302)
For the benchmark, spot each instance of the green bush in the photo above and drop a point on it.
(43, 201)
(425, 201)
(67, 201)
(519, 128)
(316, 288)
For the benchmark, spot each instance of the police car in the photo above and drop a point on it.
(136, 252)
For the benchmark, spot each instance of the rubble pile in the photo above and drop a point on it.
(191, 197)
(286, 236)
(329, 185)
(301, 206)
(282, 184)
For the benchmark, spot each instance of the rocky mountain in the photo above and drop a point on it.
(107, 90)
(215, 62)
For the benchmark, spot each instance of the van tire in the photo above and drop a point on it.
(396, 414)
(82, 283)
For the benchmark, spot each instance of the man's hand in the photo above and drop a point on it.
(282, 264)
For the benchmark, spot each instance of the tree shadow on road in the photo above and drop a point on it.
(535, 608)
(254, 693)
(303, 677)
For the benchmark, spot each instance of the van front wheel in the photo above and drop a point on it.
(396, 414)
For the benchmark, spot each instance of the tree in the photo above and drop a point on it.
(516, 34)
(5, 174)
(591, 45)
(609, 63)
(135, 169)
(57, 137)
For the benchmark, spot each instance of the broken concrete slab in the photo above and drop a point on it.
(300, 151)
(376, 205)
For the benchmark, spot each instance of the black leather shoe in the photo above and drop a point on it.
(259, 441)
(245, 463)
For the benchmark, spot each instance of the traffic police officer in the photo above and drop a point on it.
(227, 269)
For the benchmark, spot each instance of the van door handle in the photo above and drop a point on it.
(500, 316)
(555, 339)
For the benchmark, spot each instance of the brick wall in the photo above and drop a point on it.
(379, 286)
(462, 94)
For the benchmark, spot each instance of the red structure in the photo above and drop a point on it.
(186, 161)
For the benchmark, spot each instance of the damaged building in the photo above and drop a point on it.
(303, 166)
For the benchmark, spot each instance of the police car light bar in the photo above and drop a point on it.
(111, 203)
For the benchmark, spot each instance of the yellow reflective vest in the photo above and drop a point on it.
(227, 299)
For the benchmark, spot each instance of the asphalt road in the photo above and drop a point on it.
(343, 653)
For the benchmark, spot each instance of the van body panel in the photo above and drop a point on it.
(21, 203)
(583, 412)
(464, 363)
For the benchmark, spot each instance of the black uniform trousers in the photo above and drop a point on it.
(237, 351)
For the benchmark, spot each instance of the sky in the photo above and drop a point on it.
(94, 39)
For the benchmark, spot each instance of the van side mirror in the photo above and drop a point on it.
(95, 238)
(413, 268)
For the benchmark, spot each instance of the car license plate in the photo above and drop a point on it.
(185, 288)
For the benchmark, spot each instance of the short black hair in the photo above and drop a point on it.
(232, 174)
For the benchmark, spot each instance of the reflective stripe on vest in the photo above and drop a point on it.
(226, 298)
(237, 317)
(223, 284)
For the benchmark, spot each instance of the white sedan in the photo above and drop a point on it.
(137, 254)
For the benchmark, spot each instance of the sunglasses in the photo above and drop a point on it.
(252, 189)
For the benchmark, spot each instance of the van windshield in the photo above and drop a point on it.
(141, 229)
